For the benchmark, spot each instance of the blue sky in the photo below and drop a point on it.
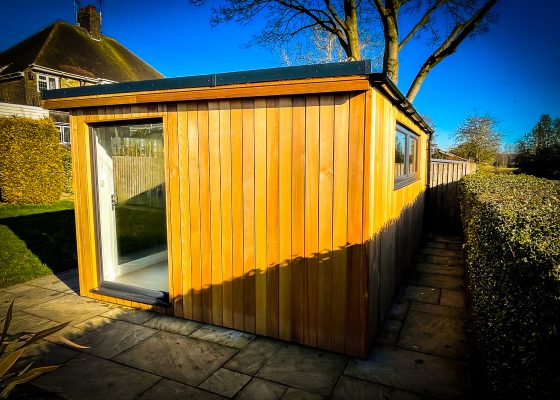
(511, 74)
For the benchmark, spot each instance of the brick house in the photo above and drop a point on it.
(64, 55)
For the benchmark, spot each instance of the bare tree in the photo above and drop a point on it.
(477, 139)
(355, 26)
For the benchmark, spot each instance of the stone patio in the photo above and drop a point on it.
(420, 352)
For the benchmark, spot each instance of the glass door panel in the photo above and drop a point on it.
(130, 180)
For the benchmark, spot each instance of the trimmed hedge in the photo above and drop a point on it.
(512, 244)
(66, 156)
(30, 163)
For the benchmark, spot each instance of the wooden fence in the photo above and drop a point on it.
(443, 205)
(139, 177)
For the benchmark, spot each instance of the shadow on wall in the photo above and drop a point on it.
(443, 214)
(334, 299)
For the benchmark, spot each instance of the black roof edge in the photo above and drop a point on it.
(363, 67)
(388, 87)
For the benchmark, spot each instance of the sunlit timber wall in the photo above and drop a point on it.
(282, 214)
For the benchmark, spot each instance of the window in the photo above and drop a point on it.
(46, 82)
(64, 134)
(406, 157)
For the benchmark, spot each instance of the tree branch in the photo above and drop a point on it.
(448, 47)
(425, 18)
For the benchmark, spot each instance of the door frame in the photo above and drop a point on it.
(112, 289)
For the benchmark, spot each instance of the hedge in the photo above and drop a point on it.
(66, 156)
(30, 163)
(512, 244)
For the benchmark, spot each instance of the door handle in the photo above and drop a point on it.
(114, 200)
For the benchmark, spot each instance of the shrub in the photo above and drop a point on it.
(66, 156)
(512, 241)
(30, 164)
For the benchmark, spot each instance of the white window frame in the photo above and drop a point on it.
(45, 78)
(409, 176)
(61, 129)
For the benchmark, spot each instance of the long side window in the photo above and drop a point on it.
(406, 157)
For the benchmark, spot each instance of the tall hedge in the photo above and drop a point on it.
(512, 235)
(66, 156)
(30, 163)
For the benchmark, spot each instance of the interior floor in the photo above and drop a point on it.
(152, 277)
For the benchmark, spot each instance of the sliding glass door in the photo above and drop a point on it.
(130, 191)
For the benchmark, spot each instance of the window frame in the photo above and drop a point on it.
(45, 78)
(409, 176)
(61, 128)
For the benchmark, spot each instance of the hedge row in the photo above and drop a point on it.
(30, 163)
(66, 156)
(512, 236)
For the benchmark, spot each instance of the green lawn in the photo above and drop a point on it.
(36, 240)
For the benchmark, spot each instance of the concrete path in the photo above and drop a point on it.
(419, 354)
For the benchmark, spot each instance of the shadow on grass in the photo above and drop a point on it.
(50, 236)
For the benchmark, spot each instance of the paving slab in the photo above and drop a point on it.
(69, 308)
(54, 282)
(398, 309)
(436, 309)
(441, 281)
(433, 334)
(89, 377)
(261, 389)
(389, 332)
(225, 382)
(25, 296)
(127, 314)
(298, 394)
(171, 390)
(436, 245)
(251, 359)
(442, 252)
(45, 353)
(445, 239)
(411, 371)
(174, 325)
(94, 323)
(349, 388)
(223, 336)
(428, 268)
(453, 298)
(446, 261)
(304, 368)
(114, 338)
(24, 322)
(177, 357)
(422, 293)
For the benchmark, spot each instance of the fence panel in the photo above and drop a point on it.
(443, 205)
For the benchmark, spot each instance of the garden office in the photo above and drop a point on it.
(285, 202)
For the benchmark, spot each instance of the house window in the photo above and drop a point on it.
(64, 134)
(406, 157)
(46, 82)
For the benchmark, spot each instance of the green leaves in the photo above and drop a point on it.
(12, 348)
(511, 225)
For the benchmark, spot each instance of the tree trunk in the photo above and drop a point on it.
(351, 20)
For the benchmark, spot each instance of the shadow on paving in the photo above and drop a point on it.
(418, 354)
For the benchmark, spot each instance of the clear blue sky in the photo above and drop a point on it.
(512, 73)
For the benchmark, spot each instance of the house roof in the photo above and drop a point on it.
(68, 48)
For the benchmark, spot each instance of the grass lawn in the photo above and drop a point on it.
(36, 240)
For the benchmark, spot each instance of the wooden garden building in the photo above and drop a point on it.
(285, 202)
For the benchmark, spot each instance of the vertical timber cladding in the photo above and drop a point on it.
(395, 223)
(268, 221)
(281, 211)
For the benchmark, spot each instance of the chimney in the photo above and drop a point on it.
(90, 19)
